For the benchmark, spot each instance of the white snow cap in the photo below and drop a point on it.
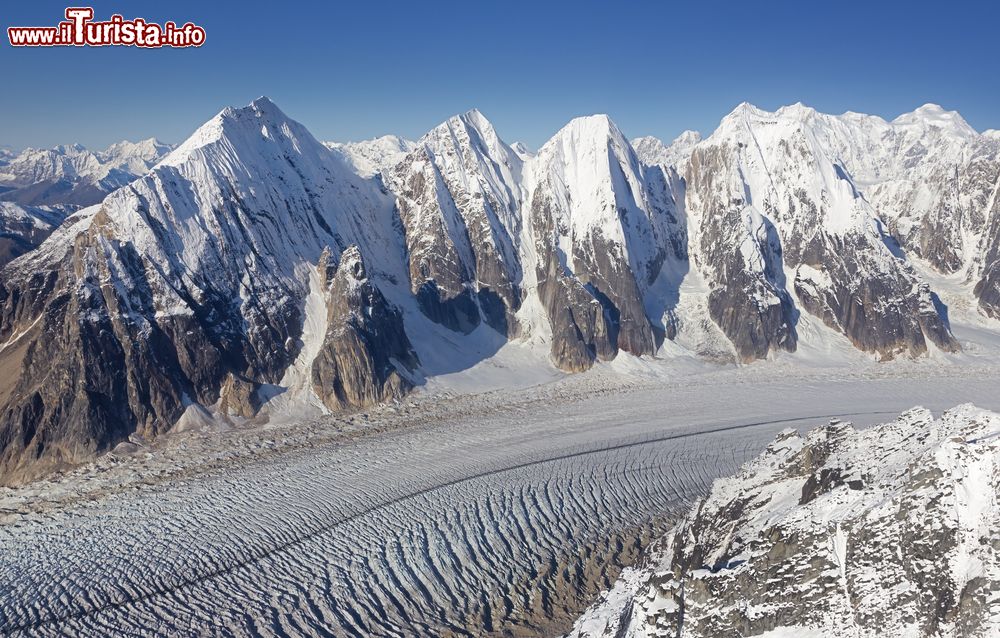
(936, 116)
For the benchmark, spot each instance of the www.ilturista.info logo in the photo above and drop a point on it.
(80, 30)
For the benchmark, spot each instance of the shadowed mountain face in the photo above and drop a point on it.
(459, 194)
(603, 228)
(194, 274)
(219, 275)
(23, 228)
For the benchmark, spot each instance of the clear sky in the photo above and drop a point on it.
(354, 70)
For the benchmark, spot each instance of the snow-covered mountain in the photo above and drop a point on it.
(371, 157)
(652, 151)
(217, 280)
(458, 194)
(74, 176)
(23, 228)
(888, 531)
(189, 281)
(603, 228)
(522, 151)
(782, 226)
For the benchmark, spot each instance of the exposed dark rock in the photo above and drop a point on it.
(239, 397)
(748, 300)
(185, 287)
(22, 228)
(366, 357)
(458, 204)
(582, 328)
(987, 287)
(771, 198)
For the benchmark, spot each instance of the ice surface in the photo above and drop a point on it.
(507, 509)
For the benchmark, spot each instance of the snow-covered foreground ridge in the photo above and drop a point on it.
(887, 531)
(215, 287)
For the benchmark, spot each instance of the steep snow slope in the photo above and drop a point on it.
(201, 279)
(372, 157)
(458, 194)
(927, 173)
(889, 531)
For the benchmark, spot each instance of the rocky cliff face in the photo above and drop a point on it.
(191, 287)
(366, 357)
(986, 270)
(603, 227)
(780, 221)
(889, 531)
(927, 173)
(458, 194)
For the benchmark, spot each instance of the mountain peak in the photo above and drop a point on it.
(590, 129)
(743, 111)
(797, 110)
(264, 103)
(475, 115)
(687, 137)
(69, 149)
(934, 115)
(471, 120)
(475, 119)
(246, 128)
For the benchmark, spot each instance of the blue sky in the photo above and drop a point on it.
(355, 70)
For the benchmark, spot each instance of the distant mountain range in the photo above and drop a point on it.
(40, 187)
(253, 266)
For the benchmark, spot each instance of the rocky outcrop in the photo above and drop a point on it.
(927, 173)
(240, 397)
(90, 367)
(987, 287)
(741, 254)
(888, 532)
(192, 286)
(458, 194)
(366, 357)
(583, 329)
